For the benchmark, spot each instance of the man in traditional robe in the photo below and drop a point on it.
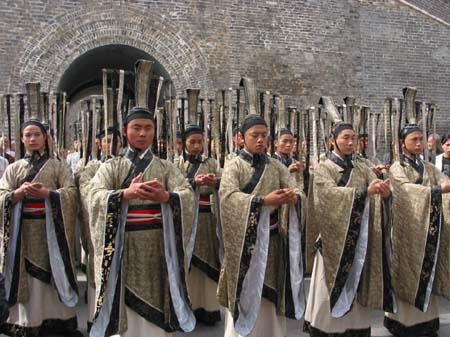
(38, 207)
(261, 279)
(351, 269)
(84, 174)
(140, 219)
(373, 162)
(203, 174)
(285, 146)
(420, 239)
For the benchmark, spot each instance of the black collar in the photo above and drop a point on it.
(256, 160)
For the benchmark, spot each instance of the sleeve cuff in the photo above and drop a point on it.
(191, 182)
(258, 202)
(437, 189)
(217, 183)
(173, 199)
(361, 192)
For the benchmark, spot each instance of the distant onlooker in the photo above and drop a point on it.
(434, 141)
(74, 157)
(5, 150)
(3, 164)
(443, 160)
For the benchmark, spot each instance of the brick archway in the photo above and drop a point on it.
(48, 53)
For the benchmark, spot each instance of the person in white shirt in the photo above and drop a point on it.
(3, 165)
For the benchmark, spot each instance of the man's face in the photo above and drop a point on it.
(76, 145)
(430, 143)
(194, 144)
(33, 139)
(179, 148)
(140, 133)
(446, 148)
(344, 144)
(285, 145)
(414, 143)
(255, 139)
(363, 144)
(4, 143)
(106, 144)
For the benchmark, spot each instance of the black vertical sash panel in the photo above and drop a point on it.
(431, 247)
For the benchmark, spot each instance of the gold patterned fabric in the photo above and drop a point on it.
(339, 230)
(240, 216)
(420, 216)
(83, 179)
(143, 280)
(32, 253)
(206, 251)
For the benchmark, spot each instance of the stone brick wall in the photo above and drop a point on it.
(301, 48)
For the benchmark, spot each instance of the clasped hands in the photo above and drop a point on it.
(381, 187)
(206, 179)
(280, 197)
(33, 190)
(149, 190)
(295, 167)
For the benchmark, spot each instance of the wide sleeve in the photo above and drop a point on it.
(344, 235)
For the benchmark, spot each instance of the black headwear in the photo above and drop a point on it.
(136, 113)
(407, 129)
(111, 130)
(34, 122)
(191, 129)
(285, 131)
(250, 121)
(339, 127)
(445, 138)
(41, 126)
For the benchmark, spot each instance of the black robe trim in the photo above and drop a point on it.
(36, 162)
(212, 272)
(346, 165)
(63, 244)
(249, 243)
(418, 167)
(430, 247)
(192, 169)
(207, 317)
(48, 327)
(112, 222)
(14, 289)
(175, 204)
(37, 272)
(258, 163)
(288, 301)
(6, 237)
(314, 332)
(138, 165)
(114, 318)
(351, 240)
(148, 312)
(270, 294)
(388, 292)
(6, 224)
(396, 328)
